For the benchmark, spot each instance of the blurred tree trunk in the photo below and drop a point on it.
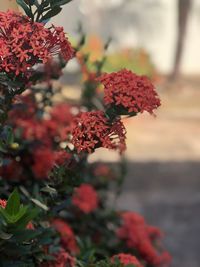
(184, 7)
(5, 5)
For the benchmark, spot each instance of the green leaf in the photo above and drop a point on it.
(59, 3)
(30, 2)
(27, 217)
(2, 147)
(53, 12)
(26, 234)
(5, 236)
(25, 8)
(21, 213)
(9, 135)
(49, 190)
(13, 203)
(39, 204)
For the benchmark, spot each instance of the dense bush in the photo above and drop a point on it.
(66, 218)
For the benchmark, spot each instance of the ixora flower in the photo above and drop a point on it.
(44, 160)
(93, 130)
(67, 235)
(24, 43)
(85, 198)
(3, 203)
(143, 238)
(62, 259)
(128, 92)
(126, 259)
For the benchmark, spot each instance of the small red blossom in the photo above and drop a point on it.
(129, 91)
(85, 198)
(62, 259)
(126, 259)
(43, 162)
(93, 130)
(102, 169)
(30, 226)
(12, 170)
(24, 43)
(61, 157)
(3, 203)
(67, 235)
(143, 238)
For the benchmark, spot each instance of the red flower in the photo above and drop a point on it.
(30, 226)
(61, 157)
(62, 113)
(141, 237)
(85, 198)
(24, 43)
(62, 259)
(43, 162)
(11, 170)
(104, 170)
(3, 203)
(126, 259)
(92, 130)
(67, 235)
(33, 129)
(129, 91)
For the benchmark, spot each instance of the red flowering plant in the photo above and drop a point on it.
(65, 218)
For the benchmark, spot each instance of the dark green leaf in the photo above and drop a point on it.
(56, 10)
(25, 8)
(59, 2)
(5, 236)
(39, 204)
(13, 204)
(30, 215)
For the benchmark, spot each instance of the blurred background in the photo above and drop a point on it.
(159, 38)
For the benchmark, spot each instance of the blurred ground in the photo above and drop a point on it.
(163, 181)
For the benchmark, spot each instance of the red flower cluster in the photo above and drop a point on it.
(126, 259)
(93, 130)
(24, 43)
(85, 198)
(43, 162)
(62, 259)
(56, 127)
(141, 237)
(3, 203)
(67, 235)
(43, 134)
(129, 91)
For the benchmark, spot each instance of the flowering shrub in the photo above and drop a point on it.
(65, 219)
